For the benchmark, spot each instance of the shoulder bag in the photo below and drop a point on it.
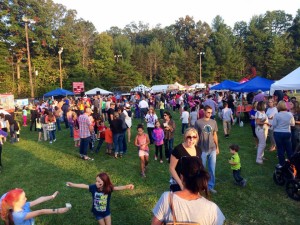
(174, 216)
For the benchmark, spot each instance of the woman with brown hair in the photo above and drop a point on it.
(261, 130)
(189, 204)
(169, 131)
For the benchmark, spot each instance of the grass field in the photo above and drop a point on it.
(41, 169)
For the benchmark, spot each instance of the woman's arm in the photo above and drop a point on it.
(173, 163)
(120, 188)
(156, 221)
(43, 199)
(45, 211)
(84, 186)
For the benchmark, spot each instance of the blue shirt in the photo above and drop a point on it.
(19, 217)
(101, 202)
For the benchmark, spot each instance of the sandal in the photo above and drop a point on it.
(88, 158)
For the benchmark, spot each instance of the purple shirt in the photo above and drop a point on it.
(158, 136)
(84, 126)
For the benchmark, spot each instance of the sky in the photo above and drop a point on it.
(107, 13)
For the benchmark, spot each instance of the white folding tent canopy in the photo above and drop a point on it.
(94, 91)
(289, 82)
(160, 88)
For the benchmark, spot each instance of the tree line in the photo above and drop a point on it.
(267, 45)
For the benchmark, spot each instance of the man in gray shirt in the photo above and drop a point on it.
(208, 142)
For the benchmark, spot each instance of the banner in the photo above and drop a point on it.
(78, 87)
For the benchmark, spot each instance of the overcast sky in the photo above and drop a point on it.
(107, 13)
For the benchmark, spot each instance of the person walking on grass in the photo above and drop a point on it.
(261, 131)
(158, 138)
(39, 127)
(208, 142)
(16, 210)
(184, 119)
(101, 194)
(235, 163)
(85, 129)
(142, 142)
(24, 114)
(51, 121)
(227, 118)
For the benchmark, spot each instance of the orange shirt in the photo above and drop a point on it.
(108, 136)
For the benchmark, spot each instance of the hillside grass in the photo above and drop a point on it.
(41, 169)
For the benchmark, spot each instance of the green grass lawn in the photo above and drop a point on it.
(41, 169)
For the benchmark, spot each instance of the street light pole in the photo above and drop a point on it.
(28, 55)
(60, 71)
(200, 65)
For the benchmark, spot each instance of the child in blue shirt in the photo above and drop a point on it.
(101, 194)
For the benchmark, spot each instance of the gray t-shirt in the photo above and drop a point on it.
(206, 131)
(226, 114)
(200, 211)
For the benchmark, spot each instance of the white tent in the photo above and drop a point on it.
(289, 82)
(141, 88)
(198, 85)
(160, 88)
(94, 91)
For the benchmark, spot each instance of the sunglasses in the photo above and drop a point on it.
(191, 137)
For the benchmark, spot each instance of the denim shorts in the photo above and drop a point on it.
(102, 217)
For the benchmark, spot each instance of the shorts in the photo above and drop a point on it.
(102, 216)
(39, 129)
(109, 146)
(143, 153)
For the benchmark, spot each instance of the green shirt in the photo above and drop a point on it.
(236, 159)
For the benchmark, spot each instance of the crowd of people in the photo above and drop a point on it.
(106, 119)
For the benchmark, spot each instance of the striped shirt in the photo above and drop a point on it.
(84, 126)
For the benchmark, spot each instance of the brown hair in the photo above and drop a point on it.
(107, 185)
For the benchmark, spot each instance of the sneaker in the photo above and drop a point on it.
(50, 142)
(54, 140)
(278, 166)
(213, 191)
(244, 182)
(155, 158)
(143, 175)
(161, 161)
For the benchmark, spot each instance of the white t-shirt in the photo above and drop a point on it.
(185, 117)
(151, 119)
(226, 114)
(271, 113)
(200, 211)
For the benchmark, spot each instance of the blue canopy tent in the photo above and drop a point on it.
(225, 85)
(58, 92)
(253, 85)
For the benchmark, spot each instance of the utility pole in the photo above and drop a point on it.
(26, 20)
(60, 70)
(200, 65)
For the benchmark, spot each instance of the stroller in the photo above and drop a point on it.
(289, 175)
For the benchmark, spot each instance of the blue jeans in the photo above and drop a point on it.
(124, 142)
(84, 144)
(168, 147)
(284, 144)
(183, 127)
(118, 142)
(52, 135)
(101, 140)
(237, 176)
(58, 124)
(210, 157)
(71, 130)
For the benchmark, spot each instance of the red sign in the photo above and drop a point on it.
(78, 87)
